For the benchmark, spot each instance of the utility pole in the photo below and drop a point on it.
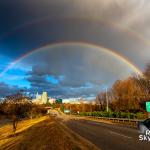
(70, 109)
(106, 100)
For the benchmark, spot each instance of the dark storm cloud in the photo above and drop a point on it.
(36, 78)
(38, 81)
(89, 31)
(79, 70)
(6, 90)
(71, 89)
(40, 69)
(76, 65)
(31, 24)
(17, 12)
(27, 25)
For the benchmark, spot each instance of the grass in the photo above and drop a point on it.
(43, 133)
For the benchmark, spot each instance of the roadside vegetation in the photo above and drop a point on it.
(110, 114)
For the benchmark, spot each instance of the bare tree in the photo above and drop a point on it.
(16, 107)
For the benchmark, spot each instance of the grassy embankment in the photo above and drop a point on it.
(41, 134)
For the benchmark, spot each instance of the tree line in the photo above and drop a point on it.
(129, 95)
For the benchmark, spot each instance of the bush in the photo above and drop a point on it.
(111, 114)
(37, 111)
(62, 108)
(140, 115)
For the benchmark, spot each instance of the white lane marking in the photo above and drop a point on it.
(121, 134)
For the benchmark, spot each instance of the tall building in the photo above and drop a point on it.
(44, 98)
(37, 95)
(58, 101)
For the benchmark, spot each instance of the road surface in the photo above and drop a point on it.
(107, 136)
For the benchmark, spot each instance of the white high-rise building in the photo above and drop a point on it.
(37, 95)
(44, 98)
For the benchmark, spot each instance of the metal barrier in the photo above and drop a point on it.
(118, 120)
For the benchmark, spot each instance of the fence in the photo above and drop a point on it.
(132, 122)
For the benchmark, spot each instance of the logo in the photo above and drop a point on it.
(145, 136)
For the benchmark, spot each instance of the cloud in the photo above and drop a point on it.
(88, 21)
(79, 70)
(6, 89)
(37, 79)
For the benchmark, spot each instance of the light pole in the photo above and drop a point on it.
(70, 109)
(106, 100)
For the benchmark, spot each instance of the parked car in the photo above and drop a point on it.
(144, 125)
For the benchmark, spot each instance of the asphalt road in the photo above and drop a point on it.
(108, 136)
(105, 136)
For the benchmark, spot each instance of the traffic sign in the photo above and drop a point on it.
(66, 111)
(148, 106)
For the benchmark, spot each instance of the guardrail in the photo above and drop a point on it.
(132, 122)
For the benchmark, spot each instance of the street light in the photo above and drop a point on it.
(106, 100)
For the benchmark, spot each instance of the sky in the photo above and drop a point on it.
(71, 48)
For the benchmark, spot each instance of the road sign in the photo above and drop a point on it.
(66, 111)
(148, 106)
(59, 101)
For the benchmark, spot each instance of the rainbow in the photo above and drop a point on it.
(90, 45)
(116, 25)
(107, 50)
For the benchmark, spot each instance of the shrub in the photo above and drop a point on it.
(114, 114)
(140, 115)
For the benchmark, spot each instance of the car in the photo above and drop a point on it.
(144, 125)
